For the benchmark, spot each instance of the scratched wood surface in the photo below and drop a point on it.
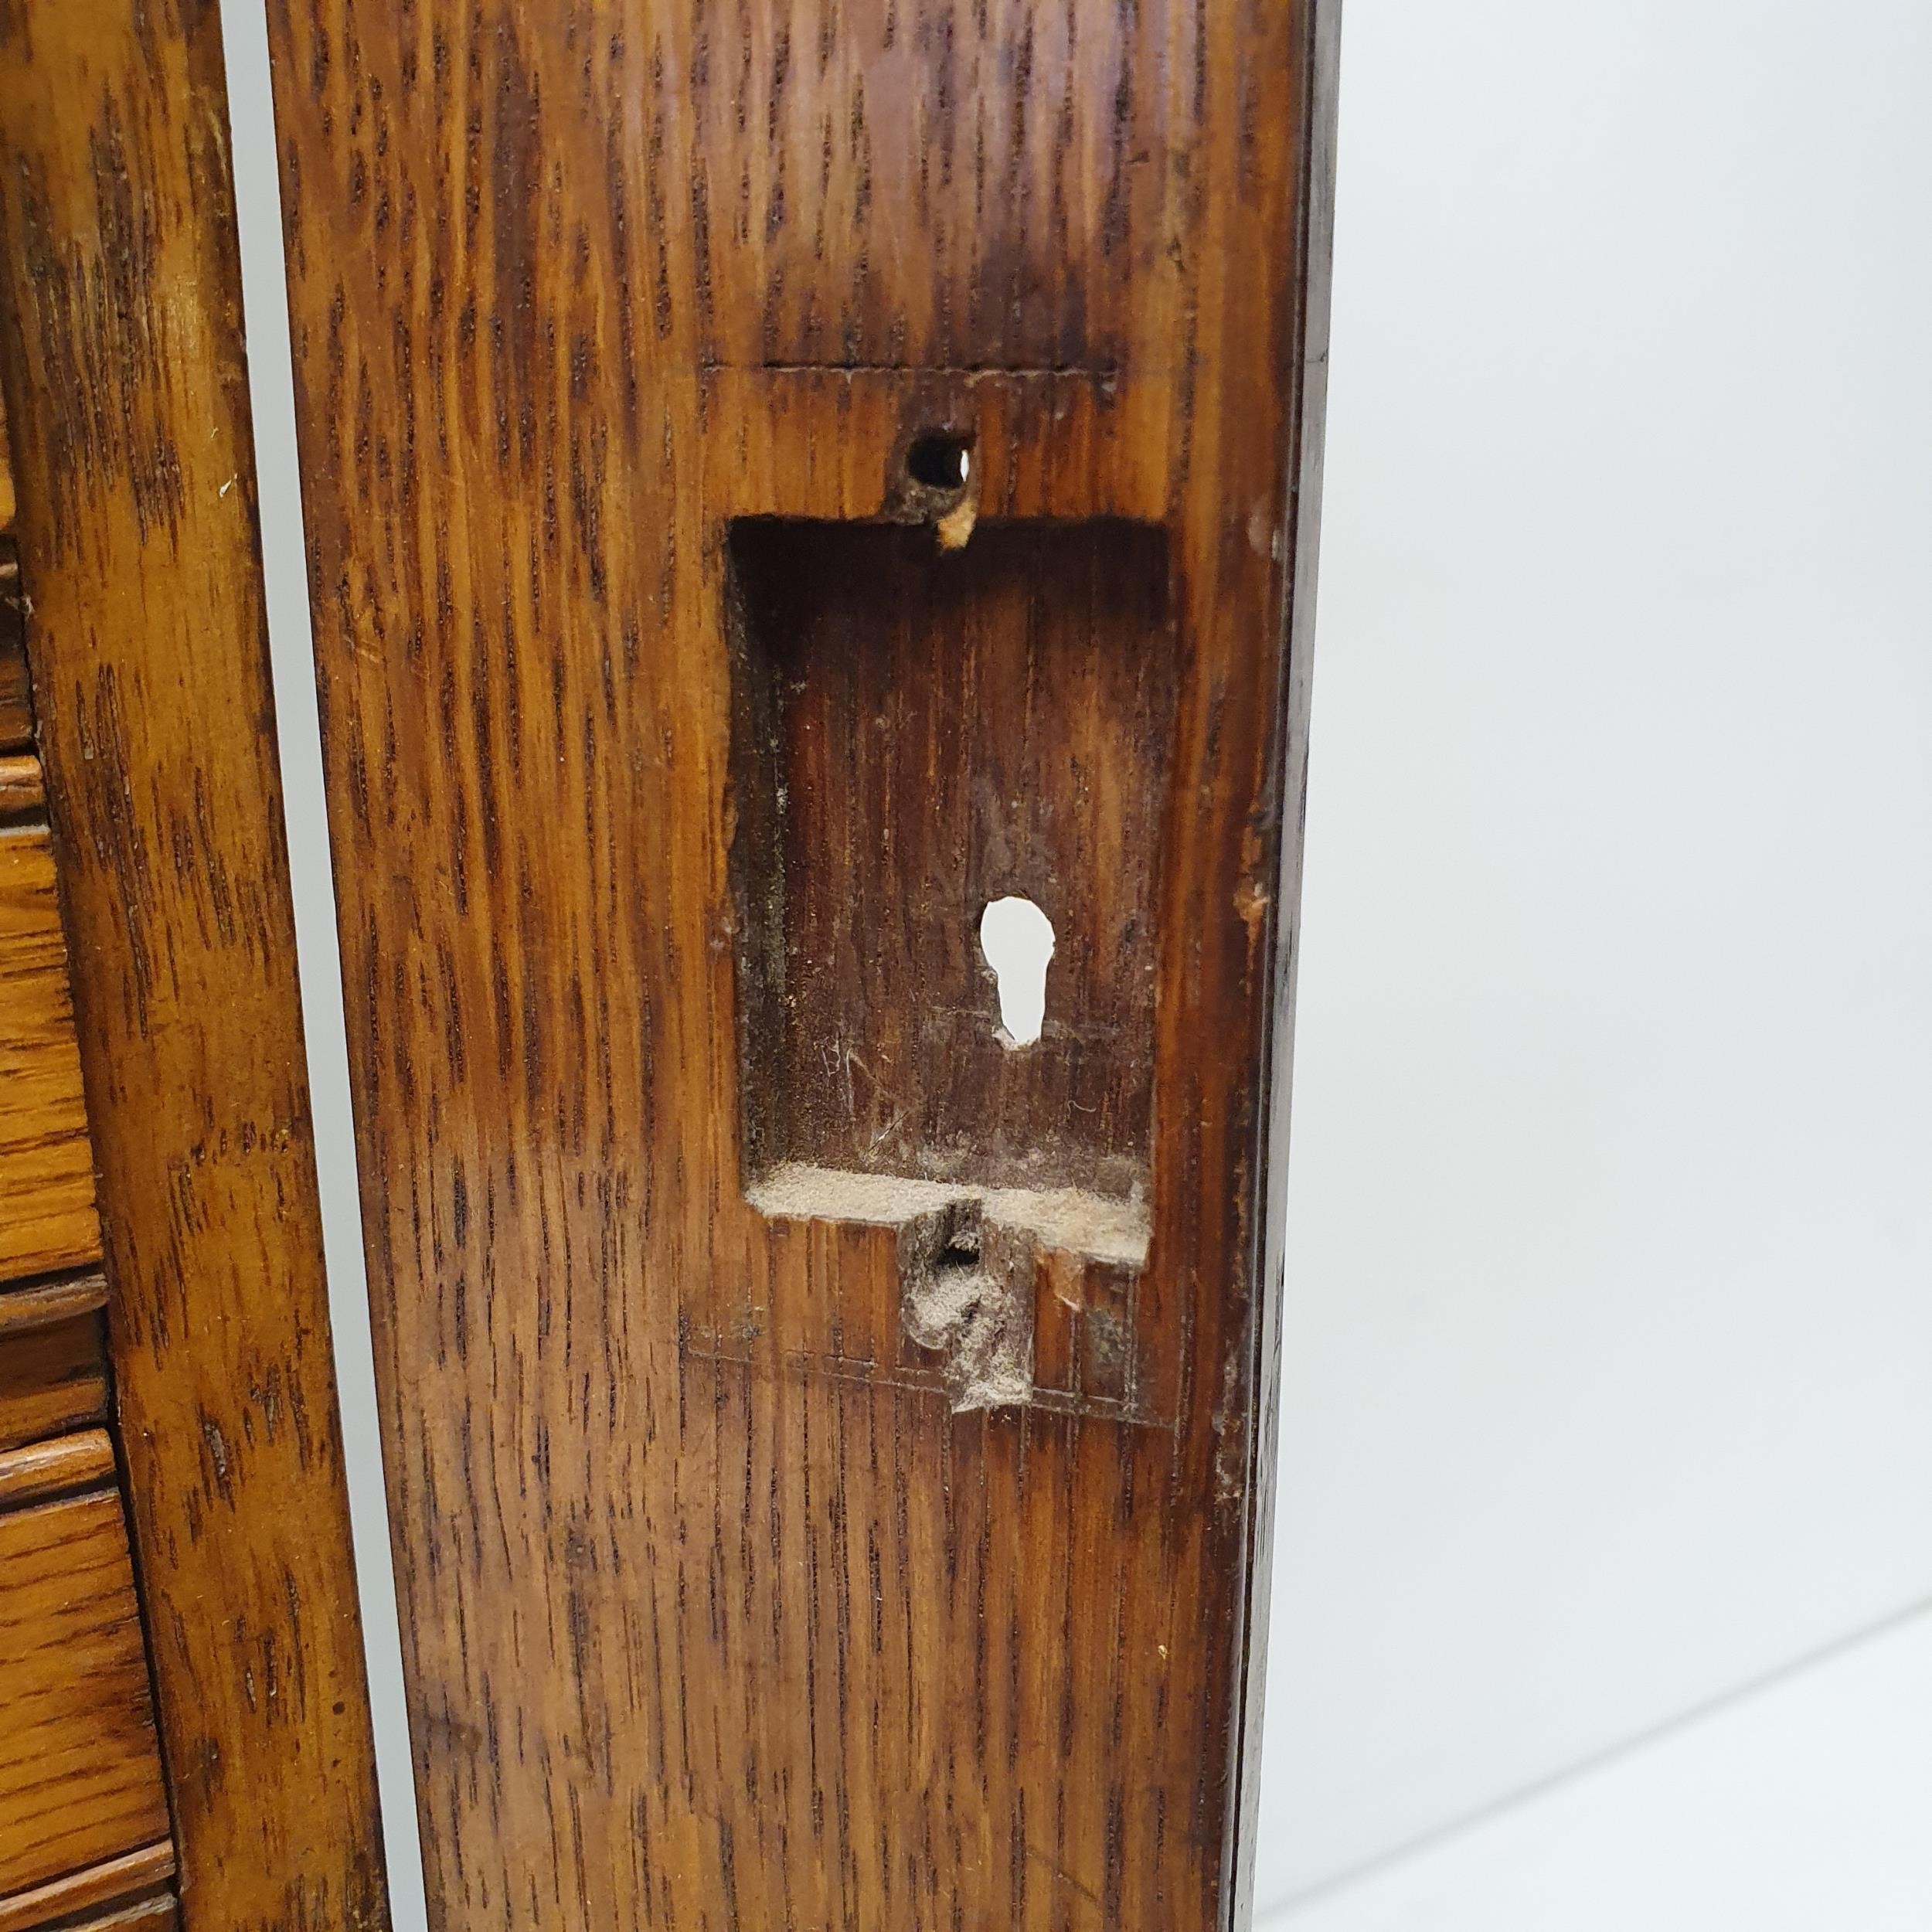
(121, 363)
(730, 1601)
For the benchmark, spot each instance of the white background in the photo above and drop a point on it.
(1609, 1338)
(1609, 1317)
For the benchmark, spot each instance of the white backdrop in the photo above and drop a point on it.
(1609, 1319)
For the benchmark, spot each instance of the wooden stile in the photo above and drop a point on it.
(132, 640)
(780, 480)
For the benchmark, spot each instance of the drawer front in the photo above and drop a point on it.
(53, 1365)
(81, 1779)
(85, 1838)
(47, 1217)
(16, 709)
(128, 1894)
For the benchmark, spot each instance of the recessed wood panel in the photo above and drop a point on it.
(918, 733)
(47, 1217)
(80, 1769)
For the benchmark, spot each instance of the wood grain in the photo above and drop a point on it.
(111, 1885)
(1058, 650)
(40, 1305)
(53, 1360)
(7, 502)
(16, 702)
(44, 1471)
(47, 1217)
(53, 1376)
(122, 366)
(160, 1913)
(79, 1770)
(720, 1610)
(22, 790)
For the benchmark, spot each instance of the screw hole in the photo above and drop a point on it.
(940, 462)
(961, 1251)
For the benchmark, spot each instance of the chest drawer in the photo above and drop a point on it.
(47, 1218)
(81, 1780)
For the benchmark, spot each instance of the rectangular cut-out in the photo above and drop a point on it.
(917, 733)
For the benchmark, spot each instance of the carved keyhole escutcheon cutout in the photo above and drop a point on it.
(1017, 938)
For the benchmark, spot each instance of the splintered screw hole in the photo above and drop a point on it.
(940, 462)
(1017, 938)
(961, 1251)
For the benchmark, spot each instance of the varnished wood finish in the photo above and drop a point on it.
(47, 1217)
(720, 1614)
(53, 1365)
(46, 1471)
(40, 1305)
(7, 501)
(79, 1770)
(23, 791)
(130, 1882)
(53, 1375)
(159, 1913)
(16, 704)
(121, 355)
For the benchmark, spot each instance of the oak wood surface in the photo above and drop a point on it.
(16, 703)
(40, 1305)
(7, 502)
(121, 361)
(875, 943)
(44, 1471)
(161, 1913)
(80, 1770)
(53, 1359)
(47, 1217)
(721, 1611)
(131, 1882)
(53, 1375)
(22, 791)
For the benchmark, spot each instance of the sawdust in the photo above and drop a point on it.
(795, 1192)
(966, 1259)
(1100, 1226)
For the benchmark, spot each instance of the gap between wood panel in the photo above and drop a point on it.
(285, 576)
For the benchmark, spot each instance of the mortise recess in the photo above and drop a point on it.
(917, 735)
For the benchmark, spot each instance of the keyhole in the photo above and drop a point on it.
(1017, 938)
